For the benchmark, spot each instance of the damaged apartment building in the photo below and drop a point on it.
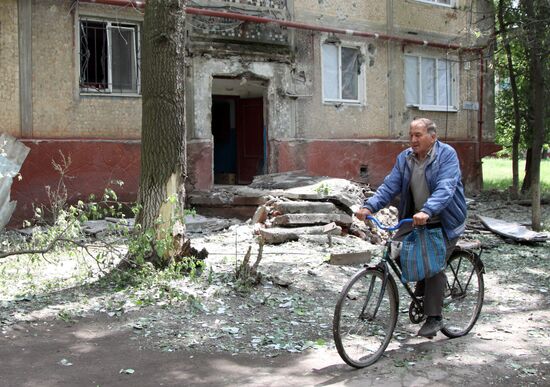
(324, 86)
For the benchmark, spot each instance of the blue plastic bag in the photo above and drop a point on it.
(422, 254)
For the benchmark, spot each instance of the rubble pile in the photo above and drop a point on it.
(320, 206)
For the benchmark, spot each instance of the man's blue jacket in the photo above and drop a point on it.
(444, 182)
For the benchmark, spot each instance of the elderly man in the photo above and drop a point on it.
(427, 177)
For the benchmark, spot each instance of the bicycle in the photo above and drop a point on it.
(365, 316)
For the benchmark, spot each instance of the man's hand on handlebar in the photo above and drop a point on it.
(420, 219)
(363, 213)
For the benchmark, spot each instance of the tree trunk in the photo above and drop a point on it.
(535, 28)
(515, 98)
(163, 137)
(526, 185)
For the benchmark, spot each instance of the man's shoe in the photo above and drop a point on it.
(431, 327)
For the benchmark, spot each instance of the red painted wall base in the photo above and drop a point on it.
(369, 161)
(95, 165)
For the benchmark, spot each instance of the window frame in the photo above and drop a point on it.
(110, 26)
(453, 84)
(437, 3)
(361, 77)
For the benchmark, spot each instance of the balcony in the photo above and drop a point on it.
(205, 29)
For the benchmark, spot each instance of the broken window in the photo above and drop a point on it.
(430, 83)
(341, 73)
(109, 57)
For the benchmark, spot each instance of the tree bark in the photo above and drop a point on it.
(163, 137)
(535, 28)
(515, 98)
(526, 185)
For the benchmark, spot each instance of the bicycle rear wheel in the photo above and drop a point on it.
(365, 317)
(463, 294)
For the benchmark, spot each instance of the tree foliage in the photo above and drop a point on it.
(523, 70)
(519, 42)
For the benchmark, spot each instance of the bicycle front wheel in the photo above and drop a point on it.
(464, 293)
(365, 317)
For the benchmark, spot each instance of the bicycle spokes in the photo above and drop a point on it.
(463, 295)
(365, 317)
(460, 283)
(377, 300)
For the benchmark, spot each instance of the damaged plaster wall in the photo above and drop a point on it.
(319, 120)
(372, 132)
(459, 125)
(428, 18)
(356, 14)
(460, 25)
(60, 110)
(385, 113)
(9, 68)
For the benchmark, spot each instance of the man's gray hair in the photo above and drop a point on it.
(427, 123)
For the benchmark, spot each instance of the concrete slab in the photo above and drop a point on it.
(305, 219)
(284, 180)
(308, 207)
(204, 224)
(278, 235)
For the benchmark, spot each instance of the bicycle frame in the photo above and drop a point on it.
(383, 265)
(363, 327)
(478, 263)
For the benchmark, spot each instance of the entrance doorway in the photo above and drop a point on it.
(238, 130)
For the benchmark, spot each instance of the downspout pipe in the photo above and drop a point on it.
(119, 3)
(292, 24)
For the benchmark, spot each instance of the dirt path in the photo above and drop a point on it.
(207, 331)
(94, 351)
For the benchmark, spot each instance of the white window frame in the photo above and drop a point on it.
(360, 77)
(111, 26)
(451, 4)
(453, 84)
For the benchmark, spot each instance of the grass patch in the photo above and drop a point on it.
(497, 173)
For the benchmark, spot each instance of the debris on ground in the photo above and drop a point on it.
(12, 155)
(306, 205)
(512, 230)
(291, 308)
(350, 258)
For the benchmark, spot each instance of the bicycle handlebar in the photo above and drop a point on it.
(389, 228)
